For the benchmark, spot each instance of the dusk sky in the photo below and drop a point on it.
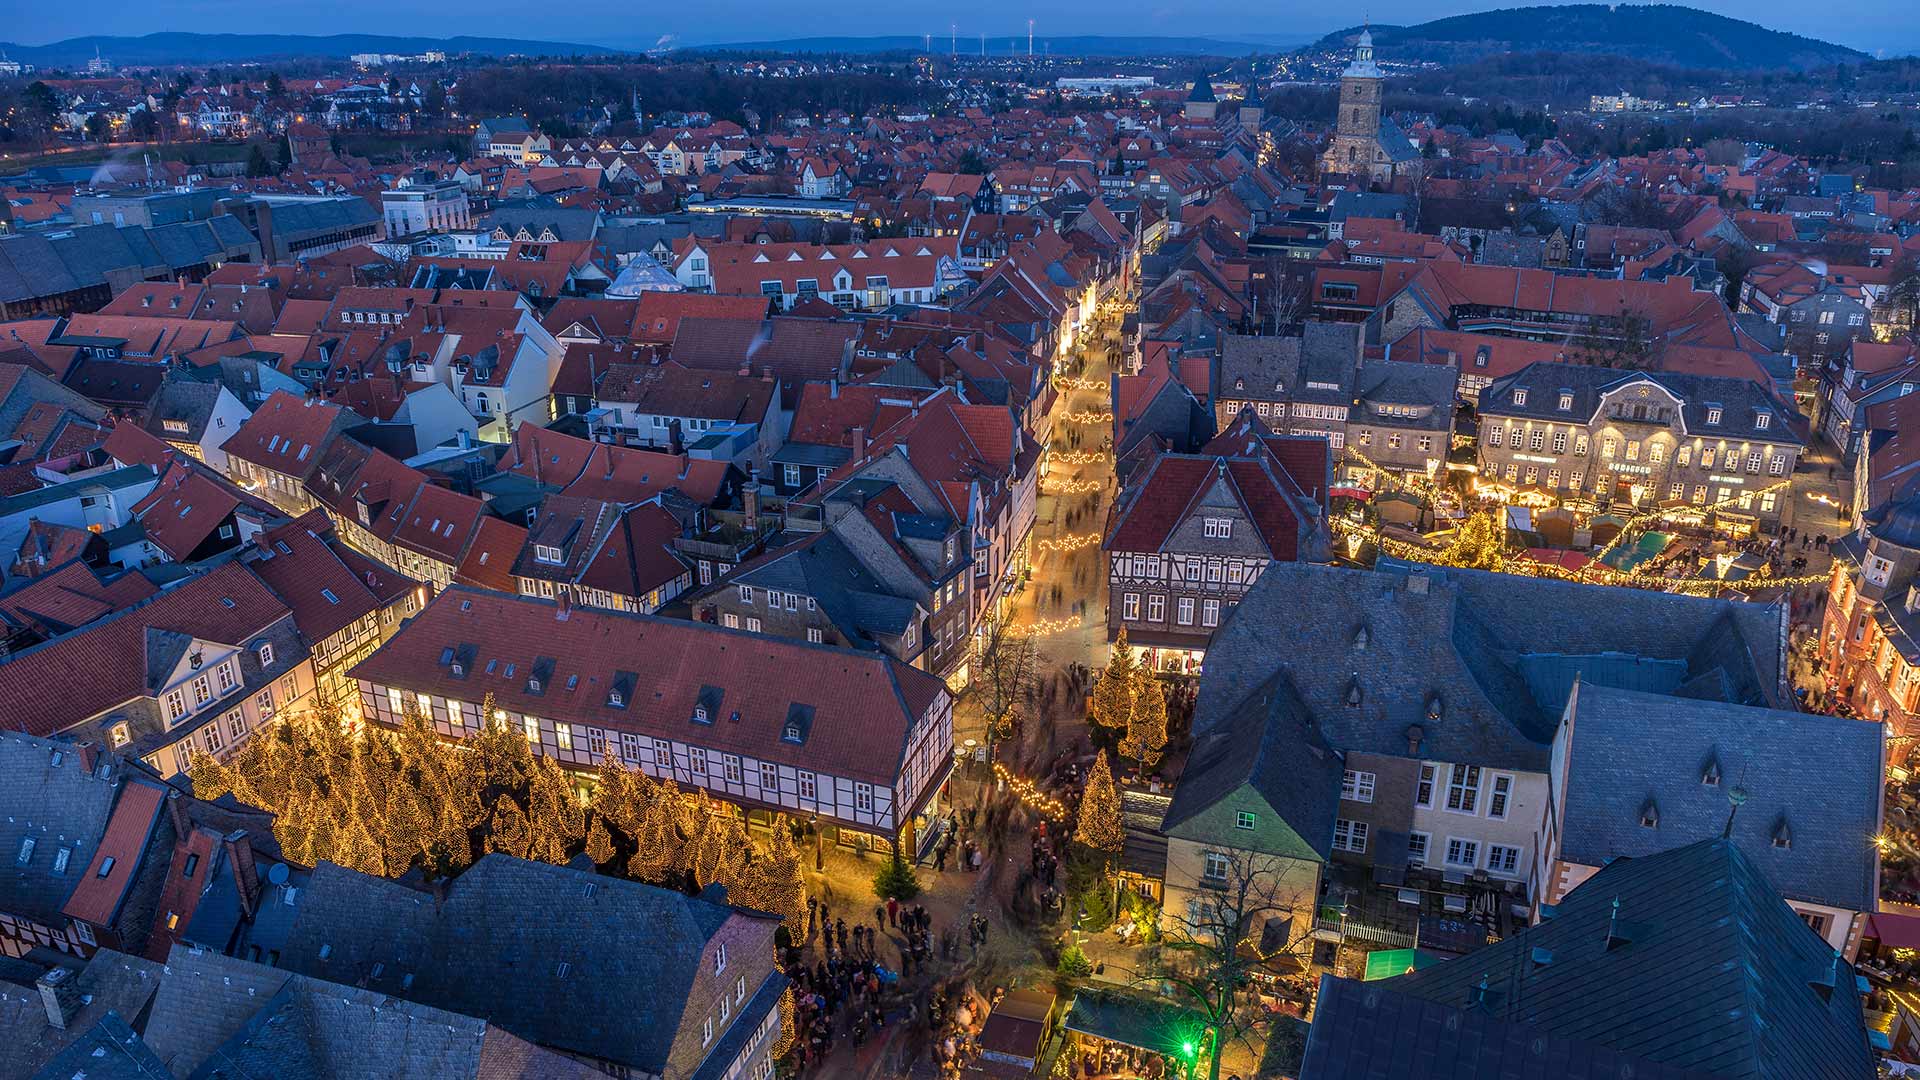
(1872, 25)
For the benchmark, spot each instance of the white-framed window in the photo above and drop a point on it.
(1502, 859)
(1130, 606)
(697, 760)
(729, 620)
(1357, 786)
(1501, 795)
(863, 797)
(746, 594)
(224, 677)
(176, 703)
(1209, 613)
(814, 636)
(533, 729)
(202, 690)
(1219, 528)
(1713, 416)
(1461, 853)
(1463, 788)
(706, 1031)
(805, 782)
(1217, 867)
(730, 767)
(1243, 820)
(769, 778)
(1186, 611)
(1423, 793)
(1350, 836)
(1519, 397)
(1559, 442)
(753, 625)
(1417, 849)
(1777, 466)
(563, 736)
(1156, 608)
(791, 474)
(265, 651)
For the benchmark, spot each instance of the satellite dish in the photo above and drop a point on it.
(277, 873)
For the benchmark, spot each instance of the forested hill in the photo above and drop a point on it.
(1663, 33)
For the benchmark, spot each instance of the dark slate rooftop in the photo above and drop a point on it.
(1283, 366)
(1373, 653)
(1271, 745)
(47, 796)
(1687, 958)
(492, 946)
(1811, 780)
(1370, 1031)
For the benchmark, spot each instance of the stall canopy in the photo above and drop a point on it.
(1386, 963)
(1893, 930)
(1016, 1028)
(1135, 1020)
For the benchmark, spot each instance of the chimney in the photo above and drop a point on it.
(89, 754)
(246, 877)
(673, 437)
(1415, 736)
(859, 443)
(750, 499)
(60, 995)
(177, 809)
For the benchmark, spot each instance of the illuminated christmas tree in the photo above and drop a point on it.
(1111, 704)
(1099, 826)
(1147, 724)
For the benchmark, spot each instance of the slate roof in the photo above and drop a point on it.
(1280, 367)
(1688, 958)
(1371, 1031)
(220, 1018)
(1270, 744)
(826, 569)
(57, 805)
(109, 1050)
(1394, 382)
(109, 983)
(1818, 775)
(491, 947)
(1740, 401)
(1462, 635)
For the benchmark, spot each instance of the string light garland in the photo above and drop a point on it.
(1052, 626)
(1080, 457)
(1068, 382)
(1029, 795)
(1072, 542)
(1069, 487)
(1088, 418)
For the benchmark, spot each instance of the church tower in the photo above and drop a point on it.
(1364, 143)
(1360, 92)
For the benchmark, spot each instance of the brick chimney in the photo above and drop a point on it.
(750, 499)
(859, 443)
(246, 877)
(60, 996)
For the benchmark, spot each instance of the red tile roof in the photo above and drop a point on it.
(864, 705)
(97, 897)
(59, 683)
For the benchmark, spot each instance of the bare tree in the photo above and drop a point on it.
(1282, 291)
(1258, 916)
(1006, 662)
(1625, 340)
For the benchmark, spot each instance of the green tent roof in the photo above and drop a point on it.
(1386, 963)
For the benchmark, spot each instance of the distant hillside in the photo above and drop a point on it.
(1662, 33)
(185, 48)
(1079, 45)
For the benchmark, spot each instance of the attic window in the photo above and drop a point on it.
(573, 683)
(1435, 706)
(1710, 776)
(1519, 397)
(1713, 415)
(700, 714)
(1361, 636)
(1353, 690)
(1761, 420)
(1782, 835)
(1566, 401)
(328, 593)
(1649, 815)
(106, 866)
(616, 699)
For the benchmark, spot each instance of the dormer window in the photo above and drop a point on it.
(1361, 637)
(546, 553)
(1713, 415)
(1520, 397)
(616, 699)
(1762, 420)
(1649, 815)
(1566, 401)
(700, 714)
(1353, 690)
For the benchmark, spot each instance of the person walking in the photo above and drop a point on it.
(893, 911)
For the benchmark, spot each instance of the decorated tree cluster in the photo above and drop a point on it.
(382, 802)
(1129, 700)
